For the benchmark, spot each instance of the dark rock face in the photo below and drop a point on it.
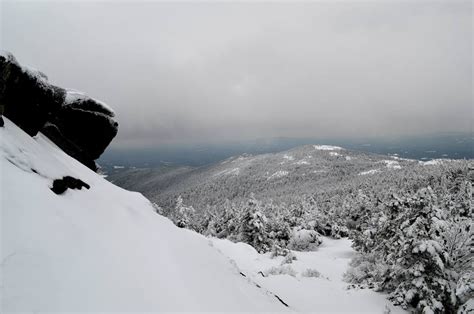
(27, 97)
(83, 127)
(53, 133)
(61, 185)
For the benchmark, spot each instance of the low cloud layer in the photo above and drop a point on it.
(206, 72)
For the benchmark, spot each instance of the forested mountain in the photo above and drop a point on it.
(282, 177)
(409, 221)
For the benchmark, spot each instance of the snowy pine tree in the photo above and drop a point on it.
(417, 258)
(183, 214)
(278, 225)
(253, 227)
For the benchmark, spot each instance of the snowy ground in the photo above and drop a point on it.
(325, 294)
(105, 249)
(102, 249)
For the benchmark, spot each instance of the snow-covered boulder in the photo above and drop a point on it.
(304, 240)
(26, 95)
(83, 127)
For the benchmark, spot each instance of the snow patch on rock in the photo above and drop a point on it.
(40, 76)
(75, 96)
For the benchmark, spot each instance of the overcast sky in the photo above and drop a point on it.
(210, 72)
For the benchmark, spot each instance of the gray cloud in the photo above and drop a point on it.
(184, 72)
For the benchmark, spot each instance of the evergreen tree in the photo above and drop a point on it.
(418, 260)
(183, 214)
(253, 227)
(278, 224)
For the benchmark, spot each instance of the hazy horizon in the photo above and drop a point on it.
(423, 148)
(180, 73)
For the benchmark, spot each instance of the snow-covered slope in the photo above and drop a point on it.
(311, 283)
(102, 249)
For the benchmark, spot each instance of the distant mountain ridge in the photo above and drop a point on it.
(278, 176)
(454, 145)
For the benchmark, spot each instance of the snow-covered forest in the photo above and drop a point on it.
(410, 222)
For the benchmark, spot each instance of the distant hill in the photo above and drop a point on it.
(455, 145)
(279, 176)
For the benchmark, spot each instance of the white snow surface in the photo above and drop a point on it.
(433, 162)
(372, 171)
(392, 164)
(102, 249)
(288, 157)
(327, 147)
(278, 174)
(225, 172)
(73, 95)
(302, 162)
(327, 293)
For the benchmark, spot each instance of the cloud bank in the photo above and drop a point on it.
(209, 72)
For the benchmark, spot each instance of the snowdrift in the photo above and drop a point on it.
(103, 248)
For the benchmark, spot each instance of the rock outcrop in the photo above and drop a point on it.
(81, 126)
(61, 185)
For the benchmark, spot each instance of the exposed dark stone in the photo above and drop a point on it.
(86, 103)
(282, 302)
(27, 97)
(90, 131)
(53, 132)
(61, 185)
(78, 124)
